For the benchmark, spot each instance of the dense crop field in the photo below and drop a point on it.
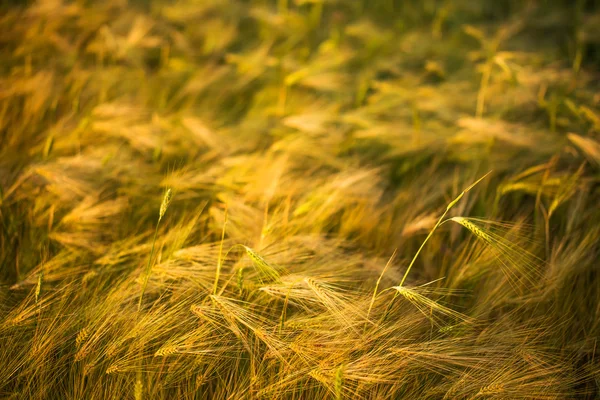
(300, 199)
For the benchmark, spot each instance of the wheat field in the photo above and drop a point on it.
(299, 199)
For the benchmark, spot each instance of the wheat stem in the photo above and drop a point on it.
(220, 260)
(163, 209)
(450, 205)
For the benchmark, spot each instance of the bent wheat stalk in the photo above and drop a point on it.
(220, 259)
(438, 223)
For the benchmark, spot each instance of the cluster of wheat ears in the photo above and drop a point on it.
(307, 199)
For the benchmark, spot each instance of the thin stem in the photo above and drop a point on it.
(283, 311)
(379, 281)
(148, 266)
(423, 245)
(439, 222)
(219, 261)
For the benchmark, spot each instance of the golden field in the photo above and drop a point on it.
(299, 199)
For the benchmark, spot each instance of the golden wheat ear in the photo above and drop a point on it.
(166, 201)
(428, 307)
(38, 288)
(517, 263)
(264, 268)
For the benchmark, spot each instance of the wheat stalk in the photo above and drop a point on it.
(220, 260)
(450, 205)
(163, 209)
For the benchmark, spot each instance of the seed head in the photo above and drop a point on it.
(38, 288)
(165, 204)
